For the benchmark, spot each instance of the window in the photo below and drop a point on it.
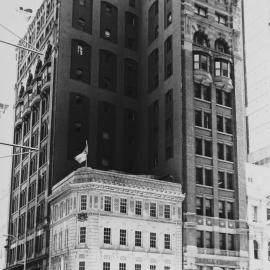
(138, 267)
(203, 119)
(230, 181)
(209, 207)
(209, 239)
(254, 213)
(153, 210)
(153, 240)
(167, 267)
(221, 179)
(204, 176)
(43, 155)
(230, 242)
(167, 211)
(122, 266)
(106, 266)
(224, 98)
(221, 209)
(201, 62)
(222, 68)
(230, 212)
(82, 235)
(152, 267)
(108, 204)
(107, 236)
(268, 213)
(221, 19)
(169, 19)
(123, 237)
(268, 251)
(83, 202)
(225, 152)
(138, 208)
(224, 124)
(256, 249)
(222, 241)
(203, 147)
(123, 206)
(201, 11)
(79, 50)
(199, 239)
(138, 238)
(81, 23)
(81, 265)
(167, 241)
(199, 206)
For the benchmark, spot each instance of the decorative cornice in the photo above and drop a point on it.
(109, 181)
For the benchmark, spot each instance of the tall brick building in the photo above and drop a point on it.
(155, 87)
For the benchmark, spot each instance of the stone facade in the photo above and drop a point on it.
(258, 200)
(68, 249)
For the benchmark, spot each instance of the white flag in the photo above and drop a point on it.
(83, 155)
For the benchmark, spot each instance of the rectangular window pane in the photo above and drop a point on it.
(221, 180)
(199, 206)
(199, 176)
(198, 146)
(123, 206)
(83, 202)
(138, 208)
(167, 241)
(82, 234)
(153, 239)
(200, 239)
(208, 177)
(208, 207)
(106, 266)
(107, 235)
(153, 210)
(123, 237)
(208, 239)
(198, 118)
(107, 203)
(208, 148)
(167, 211)
(138, 238)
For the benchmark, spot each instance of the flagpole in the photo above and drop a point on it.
(86, 145)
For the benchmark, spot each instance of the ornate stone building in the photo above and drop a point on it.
(156, 87)
(258, 200)
(109, 220)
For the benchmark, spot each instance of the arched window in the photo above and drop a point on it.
(256, 249)
(222, 46)
(201, 38)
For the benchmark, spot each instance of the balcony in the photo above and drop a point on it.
(18, 119)
(26, 107)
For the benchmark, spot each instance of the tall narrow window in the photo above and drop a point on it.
(123, 237)
(123, 205)
(256, 249)
(153, 209)
(83, 202)
(82, 234)
(107, 236)
(167, 241)
(153, 240)
(138, 238)
(107, 204)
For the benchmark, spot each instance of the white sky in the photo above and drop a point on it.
(18, 24)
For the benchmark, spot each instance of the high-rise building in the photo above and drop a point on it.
(111, 220)
(155, 87)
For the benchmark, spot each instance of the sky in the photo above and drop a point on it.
(16, 21)
(257, 26)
